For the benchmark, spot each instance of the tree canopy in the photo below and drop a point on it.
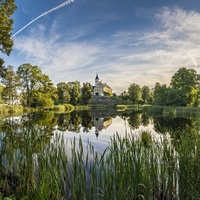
(86, 92)
(37, 88)
(11, 81)
(7, 8)
(135, 93)
(187, 82)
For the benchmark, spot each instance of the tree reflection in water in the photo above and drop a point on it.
(22, 138)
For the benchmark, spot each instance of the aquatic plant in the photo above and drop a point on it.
(129, 168)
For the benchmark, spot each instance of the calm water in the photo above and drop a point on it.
(103, 128)
(177, 161)
(97, 126)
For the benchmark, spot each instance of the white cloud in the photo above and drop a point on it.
(61, 61)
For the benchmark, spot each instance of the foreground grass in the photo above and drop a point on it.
(129, 168)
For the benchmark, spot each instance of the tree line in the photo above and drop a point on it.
(183, 90)
(30, 87)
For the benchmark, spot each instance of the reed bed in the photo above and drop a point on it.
(128, 169)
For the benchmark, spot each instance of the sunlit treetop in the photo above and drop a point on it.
(7, 8)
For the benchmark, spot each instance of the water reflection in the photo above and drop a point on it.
(178, 158)
(96, 126)
(97, 122)
(85, 121)
(101, 120)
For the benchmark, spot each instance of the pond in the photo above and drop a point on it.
(151, 155)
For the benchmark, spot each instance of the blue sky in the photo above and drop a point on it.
(129, 41)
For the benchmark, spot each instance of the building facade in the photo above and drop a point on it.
(101, 89)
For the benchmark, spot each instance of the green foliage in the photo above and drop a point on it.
(153, 109)
(46, 87)
(87, 121)
(183, 91)
(29, 76)
(2, 69)
(10, 110)
(7, 8)
(174, 97)
(43, 101)
(1, 89)
(146, 138)
(121, 107)
(35, 165)
(108, 94)
(65, 108)
(127, 169)
(11, 81)
(124, 96)
(135, 120)
(167, 96)
(187, 82)
(71, 93)
(86, 93)
(38, 89)
(135, 93)
(75, 92)
(146, 95)
(169, 111)
(184, 77)
(63, 92)
(160, 94)
(68, 108)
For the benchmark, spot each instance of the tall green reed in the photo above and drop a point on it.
(129, 168)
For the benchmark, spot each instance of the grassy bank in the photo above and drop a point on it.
(65, 108)
(127, 107)
(163, 110)
(172, 110)
(130, 168)
(82, 107)
(12, 110)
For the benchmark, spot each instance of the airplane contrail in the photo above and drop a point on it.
(45, 13)
(193, 60)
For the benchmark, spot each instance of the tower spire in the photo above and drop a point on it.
(97, 77)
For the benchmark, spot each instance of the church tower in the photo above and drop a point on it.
(98, 88)
(96, 80)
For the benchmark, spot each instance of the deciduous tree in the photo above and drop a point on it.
(11, 81)
(75, 92)
(86, 93)
(135, 93)
(30, 76)
(1, 89)
(146, 94)
(187, 82)
(160, 94)
(46, 93)
(38, 89)
(7, 8)
(63, 93)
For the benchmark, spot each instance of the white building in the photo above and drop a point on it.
(101, 88)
